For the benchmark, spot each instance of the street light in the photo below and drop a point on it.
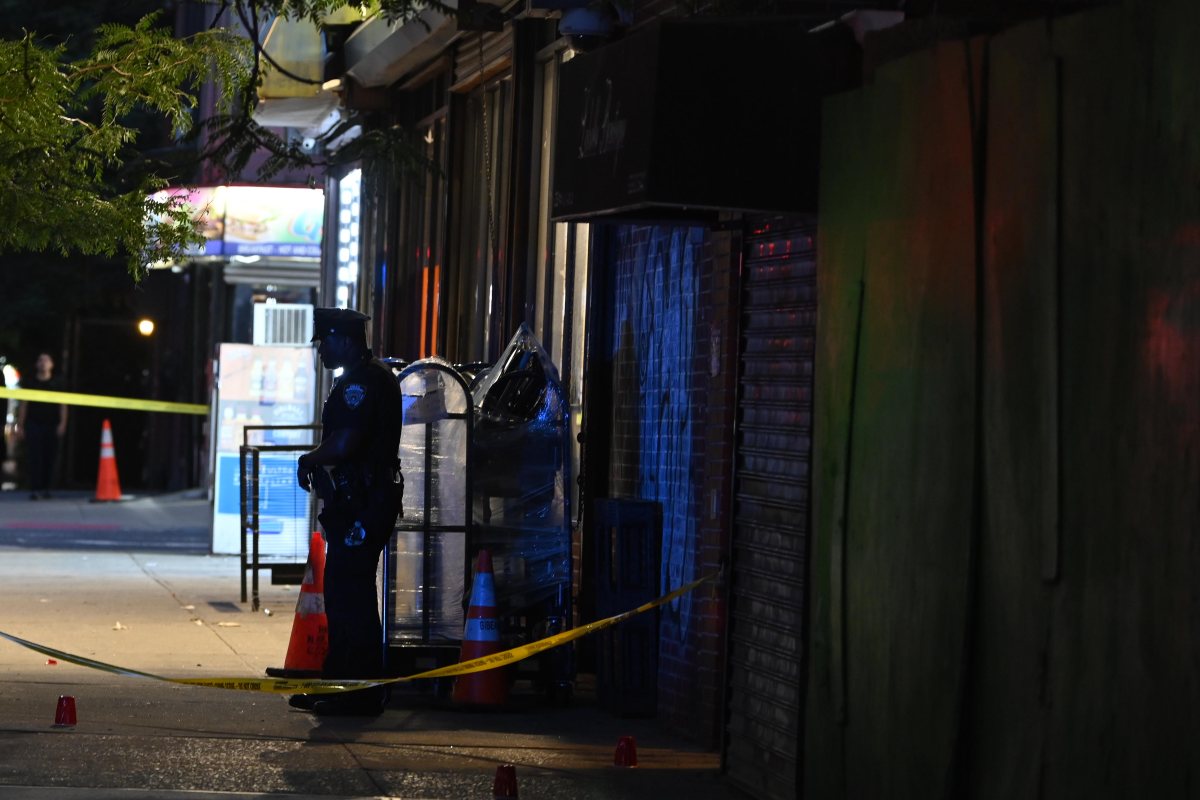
(145, 327)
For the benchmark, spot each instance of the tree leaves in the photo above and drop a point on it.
(72, 179)
(62, 138)
(316, 10)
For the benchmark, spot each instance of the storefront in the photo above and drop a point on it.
(672, 144)
(255, 281)
(610, 199)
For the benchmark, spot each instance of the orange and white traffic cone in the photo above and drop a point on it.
(108, 486)
(310, 628)
(482, 638)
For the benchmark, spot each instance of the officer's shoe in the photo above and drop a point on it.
(302, 701)
(348, 708)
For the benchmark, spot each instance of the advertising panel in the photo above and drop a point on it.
(265, 221)
(263, 385)
(269, 221)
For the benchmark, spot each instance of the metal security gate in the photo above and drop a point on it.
(764, 700)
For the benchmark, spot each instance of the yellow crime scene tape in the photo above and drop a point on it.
(102, 401)
(329, 686)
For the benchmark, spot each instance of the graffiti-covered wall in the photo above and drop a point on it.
(654, 320)
(660, 356)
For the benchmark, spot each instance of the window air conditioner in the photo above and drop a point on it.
(282, 323)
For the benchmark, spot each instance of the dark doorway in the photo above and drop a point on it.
(108, 357)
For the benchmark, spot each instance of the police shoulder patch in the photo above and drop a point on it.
(354, 394)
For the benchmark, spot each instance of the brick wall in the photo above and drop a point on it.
(674, 340)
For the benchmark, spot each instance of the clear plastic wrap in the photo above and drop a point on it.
(430, 552)
(519, 503)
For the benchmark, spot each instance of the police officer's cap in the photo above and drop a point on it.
(338, 320)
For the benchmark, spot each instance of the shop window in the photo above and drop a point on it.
(420, 247)
(481, 206)
(430, 241)
(562, 253)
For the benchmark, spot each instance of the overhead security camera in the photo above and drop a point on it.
(588, 21)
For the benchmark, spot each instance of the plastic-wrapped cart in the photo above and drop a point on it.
(425, 566)
(520, 501)
(484, 468)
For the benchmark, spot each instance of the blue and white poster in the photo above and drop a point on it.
(264, 385)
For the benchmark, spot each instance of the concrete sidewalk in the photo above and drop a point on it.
(179, 615)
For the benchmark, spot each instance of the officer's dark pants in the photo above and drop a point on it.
(356, 647)
(41, 445)
(351, 606)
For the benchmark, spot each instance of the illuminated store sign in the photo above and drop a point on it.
(349, 215)
(265, 221)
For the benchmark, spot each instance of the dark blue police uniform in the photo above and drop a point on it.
(359, 520)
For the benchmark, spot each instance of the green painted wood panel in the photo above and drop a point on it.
(847, 195)
(1124, 661)
(1084, 651)
(1019, 548)
(897, 227)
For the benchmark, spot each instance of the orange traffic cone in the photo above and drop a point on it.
(310, 628)
(482, 638)
(108, 487)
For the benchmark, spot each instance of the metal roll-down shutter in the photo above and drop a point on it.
(764, 701)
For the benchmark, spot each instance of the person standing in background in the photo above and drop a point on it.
(40, 426)
(3, 423)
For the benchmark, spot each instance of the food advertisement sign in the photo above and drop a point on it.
(268, 221)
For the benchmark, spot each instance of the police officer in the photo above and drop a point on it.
(356, 472)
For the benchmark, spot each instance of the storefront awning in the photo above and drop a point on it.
(291, 94)
(379, 52)
(688, 117)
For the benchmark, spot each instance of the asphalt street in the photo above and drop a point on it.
(132, 584)
(173, 523)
